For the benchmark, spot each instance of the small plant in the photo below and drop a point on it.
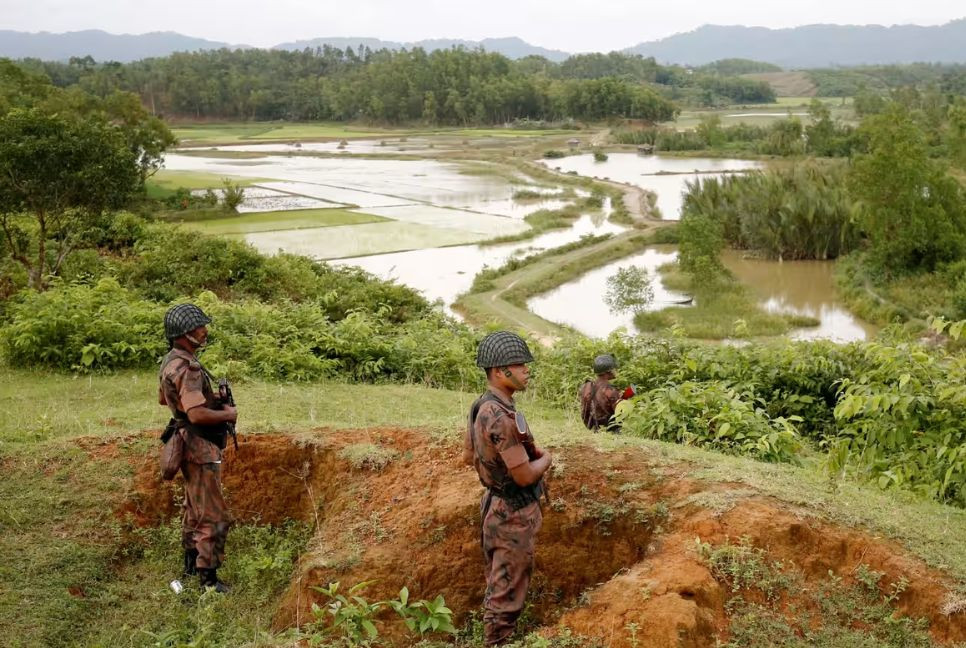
(353, 617)
(553, 154)
(600, 156)
(233, 195)
(368, 456)
(423, 616)
(744, 567)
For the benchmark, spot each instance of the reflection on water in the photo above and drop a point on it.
(580, 303)
(666, 176)
(802, 287)
(444, 273)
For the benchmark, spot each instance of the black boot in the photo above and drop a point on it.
(209, 578)
(190, 556)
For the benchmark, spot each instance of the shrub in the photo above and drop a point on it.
(712, 415)
(233, 195)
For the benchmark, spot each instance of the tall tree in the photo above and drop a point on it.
(58, 175)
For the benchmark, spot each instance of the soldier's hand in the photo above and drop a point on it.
(230, 413)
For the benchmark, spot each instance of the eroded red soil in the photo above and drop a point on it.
(616, 548)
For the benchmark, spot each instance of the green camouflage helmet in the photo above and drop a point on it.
(502, 349)
(182, 319)
(604, 363)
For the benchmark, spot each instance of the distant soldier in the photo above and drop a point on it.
(599, 398)
(186, 389)
(500, 446)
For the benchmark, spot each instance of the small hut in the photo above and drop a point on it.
(573, 142)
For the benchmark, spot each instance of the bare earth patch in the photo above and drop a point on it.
(617, 548)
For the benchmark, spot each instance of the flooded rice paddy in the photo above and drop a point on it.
(437, 216)
(665, 176)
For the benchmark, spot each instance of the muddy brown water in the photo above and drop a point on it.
(800, 287)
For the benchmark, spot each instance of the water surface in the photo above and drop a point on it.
(666, 176)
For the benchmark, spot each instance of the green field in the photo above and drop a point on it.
(280, 220)
(164, 183)
(764, 114)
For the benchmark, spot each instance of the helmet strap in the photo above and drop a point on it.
(198, 345)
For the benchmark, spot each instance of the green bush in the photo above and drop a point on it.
(105, 326)
(712, 415)
(83, 328)
(168, 262)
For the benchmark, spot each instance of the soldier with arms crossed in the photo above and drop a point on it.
(499, 445)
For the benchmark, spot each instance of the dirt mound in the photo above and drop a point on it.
(617, 548)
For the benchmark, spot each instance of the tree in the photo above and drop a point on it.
(629, 290)
(913, 213)
(57, 177)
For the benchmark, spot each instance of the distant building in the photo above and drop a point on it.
(573, 143)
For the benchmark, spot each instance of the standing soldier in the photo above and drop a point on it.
(499, 445)
(186, 389)
(599, 398)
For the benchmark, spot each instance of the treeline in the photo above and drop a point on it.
(454, 87)
(881, 79)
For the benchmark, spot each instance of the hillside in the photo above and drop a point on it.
(324, 490)
(511, 47)
(100, 45)
(103, 46)
(813, 45)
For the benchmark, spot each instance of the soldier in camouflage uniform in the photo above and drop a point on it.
(185, 387)
(499, 445)
(599, 398)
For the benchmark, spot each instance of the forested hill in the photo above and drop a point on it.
(510, 47)
(102, 46)
(814, 45)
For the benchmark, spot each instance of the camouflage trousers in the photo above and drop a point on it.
(204, 526)
(508, 540)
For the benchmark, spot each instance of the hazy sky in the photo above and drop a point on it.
(570, 25)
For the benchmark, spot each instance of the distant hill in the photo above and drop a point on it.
(101, 45)
(813, 45)
(511, 47)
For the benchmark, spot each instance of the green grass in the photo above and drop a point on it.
(197, 134)
(325, 130)
(726, 311)
(511, 132)
(164, 183)
(54, 490)
(280, 220)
